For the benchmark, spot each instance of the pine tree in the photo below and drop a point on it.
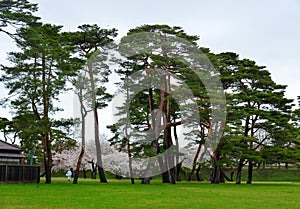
(91, 41)
(256, 105)
(38, 75)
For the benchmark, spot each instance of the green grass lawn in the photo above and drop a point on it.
(121, 194)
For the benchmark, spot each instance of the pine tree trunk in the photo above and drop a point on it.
(98, 150)
(165, 177)
(146, 180)
(197, 153)
(94, 170)
(231, 174)
(83, 113)
(217, 173)
(101, 174)
(177, 163)
(127, 135)
(84, 173)
(173, 175)
(168, 132)
(154, 142)
(195, 162)
(162, 107)
(47, 170)
(198, 177)
(130, 163)
(96, 126)
(171, 167)
(178, 170)
(76, 174)
(164, 168)
(130, 166)
(241, 162)
(250, 172)
(45, 135)
(47, 157)
(239, 171)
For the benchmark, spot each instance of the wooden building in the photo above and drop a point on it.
(12, 168)
(10, 154)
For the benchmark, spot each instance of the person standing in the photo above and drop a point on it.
(69, 174)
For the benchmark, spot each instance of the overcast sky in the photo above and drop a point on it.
(265, 31)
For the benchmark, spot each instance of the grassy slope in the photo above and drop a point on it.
(120, 194)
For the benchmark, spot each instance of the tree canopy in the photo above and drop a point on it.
(15, 14)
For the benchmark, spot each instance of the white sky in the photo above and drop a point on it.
(265, 31)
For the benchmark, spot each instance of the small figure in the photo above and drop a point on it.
(69, 174)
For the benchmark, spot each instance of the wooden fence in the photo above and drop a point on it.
(19, 174)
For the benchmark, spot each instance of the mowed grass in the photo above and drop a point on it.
(121, 194)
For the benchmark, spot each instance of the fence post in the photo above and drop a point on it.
(23, 173)
(38, 175)
(6, 174)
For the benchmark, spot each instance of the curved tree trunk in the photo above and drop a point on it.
(96, 126)
(195, 162)
(197, 154)
(83, 113)
(76, 173)
(98, 150)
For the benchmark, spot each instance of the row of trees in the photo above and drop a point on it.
(167, 82)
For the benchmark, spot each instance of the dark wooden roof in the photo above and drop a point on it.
(9, 150)
(6, 146)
